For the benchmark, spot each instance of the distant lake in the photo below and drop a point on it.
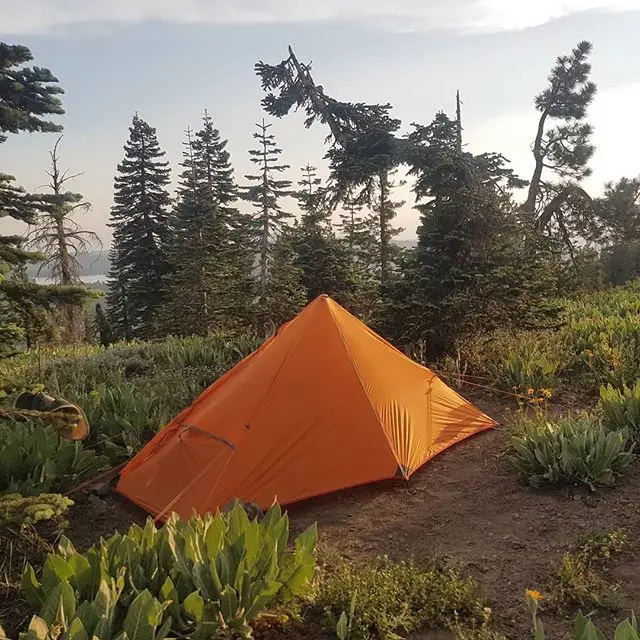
(87, 279)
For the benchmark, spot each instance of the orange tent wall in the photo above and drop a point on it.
(323, 405)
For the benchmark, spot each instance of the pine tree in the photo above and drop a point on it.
(469, 273)
(358, 237)
(192, 253)
(319, 255)
(562, 152)
(269, 221)
(140, 223)
(366, 150)
(204, 263)
(28, 95)
(618, 216)
(285, 293)
(213, 160)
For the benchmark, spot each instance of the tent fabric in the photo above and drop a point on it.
(325, 404)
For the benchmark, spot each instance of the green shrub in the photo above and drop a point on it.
(602, 338)
(395, 599)
(28, 510)
(579, 580)
(527, 371)
(621, 408)
(128, 391)
(597, 342)
(204, 578)
(123, 418)
(570, 451)
(72, 372)
(34, 459)
(141, 620)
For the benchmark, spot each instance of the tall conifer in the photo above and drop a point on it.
(28, 96)
(208, 275)
(320, 256)
(269, 221)
(140, 223)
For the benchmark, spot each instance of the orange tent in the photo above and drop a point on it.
(323, 405)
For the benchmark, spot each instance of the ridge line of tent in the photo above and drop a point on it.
(336, 322)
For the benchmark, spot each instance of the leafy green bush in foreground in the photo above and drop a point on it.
(527, 371)
(570, 451)
(208, 577)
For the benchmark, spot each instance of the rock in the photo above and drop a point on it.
(251, 509)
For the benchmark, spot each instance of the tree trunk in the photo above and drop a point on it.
(264, 252)
(73, 316)
(264, 249)
(125, 313)
(384, 228)
(534, 186)
(203, 288)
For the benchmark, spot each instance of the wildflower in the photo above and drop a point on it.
(530, 391)
(547, 393)
(534, 595)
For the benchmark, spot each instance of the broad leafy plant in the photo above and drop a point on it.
(621, 408)
(570, 451)
(34, 459)
(203, 578)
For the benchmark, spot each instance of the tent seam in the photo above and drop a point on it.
(357, 372)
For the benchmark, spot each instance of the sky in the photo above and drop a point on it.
(169, 60)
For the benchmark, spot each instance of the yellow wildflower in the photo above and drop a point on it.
(547, 393)
(530, 391)
(534, 595)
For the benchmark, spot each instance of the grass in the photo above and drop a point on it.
(18, 547)
(597, 343)
(580, 580)
(394, 599)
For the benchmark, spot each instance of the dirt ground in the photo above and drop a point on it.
(465, 505)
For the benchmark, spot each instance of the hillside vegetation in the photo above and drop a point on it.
(129, 391)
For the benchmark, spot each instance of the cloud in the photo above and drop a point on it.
(21, 17)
